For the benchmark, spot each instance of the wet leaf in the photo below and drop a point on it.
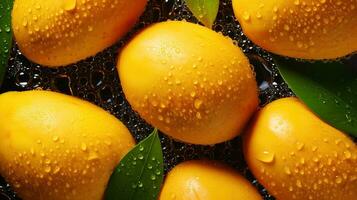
(5, 35)
(140, 173)
(204, 10)
(329, 89)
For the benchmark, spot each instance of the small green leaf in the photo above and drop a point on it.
(329, 89)
(204, 10)
(140, 173)
(5, 35)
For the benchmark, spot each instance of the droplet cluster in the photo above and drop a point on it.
(311, 177)
(5, 33)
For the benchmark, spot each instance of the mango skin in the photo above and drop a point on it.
(295, 155)
(61, 32)
(195, 85)
(206, 180)
(309, 29)
(58, 147)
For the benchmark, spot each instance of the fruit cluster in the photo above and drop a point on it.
(190, 82)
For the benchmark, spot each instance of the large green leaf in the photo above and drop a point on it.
(140, 173)
(328, 88)
(204, 10)
(5, 35)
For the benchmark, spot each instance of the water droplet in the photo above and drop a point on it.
(141, 148)
(93, 156)
(198, 103)
(300, 146)
(246, 16)
(7, 29)
(347, 154)
(47, 169)
(266, 157)
(56, 170)
(83, 147)
(338, 180)
(140, 184)
(153, 177)
(298, 183)
(70, 5)
(314, 148)
(55, 138)
(198, 115)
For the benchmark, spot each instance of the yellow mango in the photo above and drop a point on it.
(61, 32)
(196, 180)
(295, 155)
(189, 81)
(57, 147)
(308, 29)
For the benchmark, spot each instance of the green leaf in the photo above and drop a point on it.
(140, 173)
(329, 89)
(204, 10)
(5, 35)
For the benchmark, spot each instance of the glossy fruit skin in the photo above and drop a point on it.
(58, 147)
(208, 180)
(295, 155)
(61, 32)
(195, 85)
(309, 29)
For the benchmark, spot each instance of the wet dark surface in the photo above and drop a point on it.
(96, 80)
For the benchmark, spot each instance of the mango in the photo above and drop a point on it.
(308, 29)
(192, 83)
(296, 155)
(57, 147)
(62, 32)
(206, 180)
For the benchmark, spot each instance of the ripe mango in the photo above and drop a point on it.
(295, 155)
(190, 82)
(57, 147)
(206, 180)
(308, 29)
(62, 32)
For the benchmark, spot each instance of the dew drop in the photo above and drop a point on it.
(153, 177)
(198, 115)
(47, 169)
(298, 183)
(83, 147)
(246, 16)
(266, 157)
(198, 103)
(141, 148)
(338, 180)
(347, 154)
(70, 5)
(300, 146)
(55, 138)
